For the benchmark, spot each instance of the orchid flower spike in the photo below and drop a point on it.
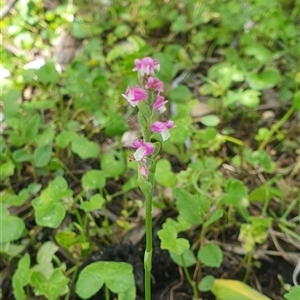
(159, 104)
(134, 95)
(143, 149)
(154, 84)
(163, 128)
(146, 66)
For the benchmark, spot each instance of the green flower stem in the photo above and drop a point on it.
(148, 251)
(147, 189)
(275, 127)
(147, 185)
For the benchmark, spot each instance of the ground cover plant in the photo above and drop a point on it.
(99, 200)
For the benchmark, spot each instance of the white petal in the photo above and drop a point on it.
(165, 134)
(162, 109)
(139, 153)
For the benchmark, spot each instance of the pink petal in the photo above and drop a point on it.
(143, 170)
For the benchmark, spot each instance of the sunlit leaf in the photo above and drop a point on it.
(235, 290)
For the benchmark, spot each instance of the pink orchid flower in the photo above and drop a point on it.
(163, 128)
(134, 95)
(159, 104)
(146, 66)
(143, 149)
(154, 84)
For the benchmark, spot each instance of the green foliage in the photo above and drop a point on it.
(255, 232)
(293, 294)
(93, 179)
(169, 237)
(163, 174)
(210, 255)
(12, 227)
(62, 156)
(117, 276)
(48, 208)
(46, 280)
(206, 283)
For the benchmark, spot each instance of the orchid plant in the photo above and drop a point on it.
(150, 103)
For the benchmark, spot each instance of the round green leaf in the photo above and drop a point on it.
(210, 255)
(116, 125)
(84, 148)
(64, 138)
(96, 202)
(180, 94)
(264, 80)
(48, 214)
(47, 74)
(118, 277)
(46, 137)
(11, 227)
(21, 155)
(93, 179)
(250, 98)
(163, 174)
(46, 253)
(42, 156)
(206, 283)
(17, 200)
(293, 294)
(262, 134)
(191, 207)
(210, 120)
(187, 258)
(52, 287)
(112, 164)
(169, 240)
(30, 128)
(261, 53)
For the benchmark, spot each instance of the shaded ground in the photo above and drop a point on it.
(169, 282)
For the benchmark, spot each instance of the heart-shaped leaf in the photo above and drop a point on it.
(117, 276)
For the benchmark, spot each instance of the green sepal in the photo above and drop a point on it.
(145, 186)
(157, 149)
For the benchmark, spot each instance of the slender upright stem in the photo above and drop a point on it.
(148, 251)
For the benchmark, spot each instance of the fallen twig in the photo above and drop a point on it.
(6, 9)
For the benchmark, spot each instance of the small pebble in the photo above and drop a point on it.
(268, 115)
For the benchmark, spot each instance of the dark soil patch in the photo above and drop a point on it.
(168, 282)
